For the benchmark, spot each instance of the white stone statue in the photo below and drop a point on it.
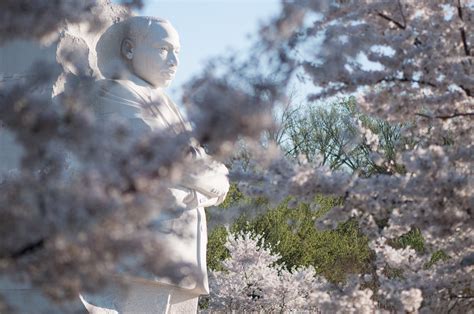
(138, 58)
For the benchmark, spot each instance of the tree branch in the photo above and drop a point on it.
(464, 41)
(407, 80)
(460, 10)
(462, 30)
(27, 249)
(422, 82)
(403, 15)
(445, 117)
(466, 90)
(388, 18)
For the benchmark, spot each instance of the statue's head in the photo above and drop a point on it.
(147, 46)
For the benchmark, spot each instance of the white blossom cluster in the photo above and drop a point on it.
(252, 280)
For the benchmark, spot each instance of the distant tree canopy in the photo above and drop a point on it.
(340, 136)
(291, 233)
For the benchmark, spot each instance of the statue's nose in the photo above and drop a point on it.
(173, 59)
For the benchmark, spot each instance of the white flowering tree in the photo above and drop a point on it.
(252, 280)
(402, 59)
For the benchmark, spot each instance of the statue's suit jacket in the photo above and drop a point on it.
(145, 109)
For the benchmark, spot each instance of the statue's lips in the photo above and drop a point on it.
(168, 73)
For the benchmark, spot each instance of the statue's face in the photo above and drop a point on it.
(154, 58)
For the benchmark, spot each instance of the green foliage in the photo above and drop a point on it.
(331, 134)
(291, 233)
(437, 256)
(337, 253)
(412, 238)
(216, 250)
(233, 197)
(217, 237)
(392, 272)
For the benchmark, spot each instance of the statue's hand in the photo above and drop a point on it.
(211, 180)
(209, 177)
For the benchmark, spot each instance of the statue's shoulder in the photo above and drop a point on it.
(120, 90)
(118, 98)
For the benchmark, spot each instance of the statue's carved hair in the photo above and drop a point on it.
(136, 28)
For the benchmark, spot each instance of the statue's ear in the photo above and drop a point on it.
(127, 48)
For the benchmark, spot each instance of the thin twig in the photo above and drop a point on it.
(445, 117)
(28, 249)
(463, 31)
(403, 15)
(464, 41)
(460, 10)
(388, 18)
(466, 90)
(407, 80)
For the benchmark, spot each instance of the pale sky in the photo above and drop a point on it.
(210, 28)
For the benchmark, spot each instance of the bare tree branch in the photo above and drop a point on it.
(445, 117)
(464, 41)
(388, 18)
(407, 80)
(463, 31)
(403, 15)
(30, 248)
(460, 10)
(466, 90)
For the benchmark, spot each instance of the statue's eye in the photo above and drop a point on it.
(163, 49)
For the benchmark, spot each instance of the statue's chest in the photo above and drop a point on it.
(159, 114)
